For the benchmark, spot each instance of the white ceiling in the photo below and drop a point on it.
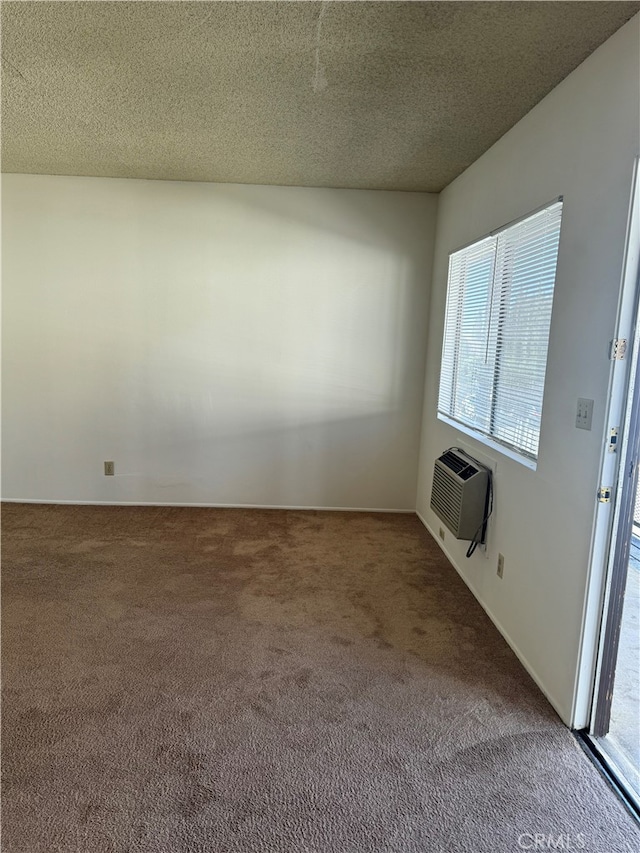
(344, 94)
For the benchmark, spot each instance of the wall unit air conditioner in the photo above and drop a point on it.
(459, 494)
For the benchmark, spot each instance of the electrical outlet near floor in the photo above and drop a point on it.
(109, 469)
(500, 565)
(441, 533)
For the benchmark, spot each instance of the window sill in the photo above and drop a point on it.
(489, 442)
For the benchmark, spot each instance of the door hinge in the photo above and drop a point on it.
(618, 349)
(604, 494)
(612, 444)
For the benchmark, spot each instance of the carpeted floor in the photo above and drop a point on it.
(239, 680)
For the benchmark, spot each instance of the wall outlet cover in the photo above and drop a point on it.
(584, 413)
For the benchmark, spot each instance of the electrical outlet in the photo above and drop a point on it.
(584, 413)
(109, 469)
(500, 565)
(441, 533)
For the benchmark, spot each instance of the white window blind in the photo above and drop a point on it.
(494, 356)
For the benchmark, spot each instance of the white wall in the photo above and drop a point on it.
(580, 142)
(222, 344)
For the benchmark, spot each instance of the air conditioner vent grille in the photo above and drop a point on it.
(453, 461)
(446, 496)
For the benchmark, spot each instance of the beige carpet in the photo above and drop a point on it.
(237, 680)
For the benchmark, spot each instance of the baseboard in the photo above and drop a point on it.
(206, 505)
(513, 646)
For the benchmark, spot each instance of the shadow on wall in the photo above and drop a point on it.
(323, 464)
(376, 218)
(283, 326)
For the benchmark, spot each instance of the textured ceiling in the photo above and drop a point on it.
(358, 94)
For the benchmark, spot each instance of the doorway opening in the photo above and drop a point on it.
(615, 720)
(614, 724)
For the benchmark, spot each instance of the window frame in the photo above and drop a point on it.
(489, 439)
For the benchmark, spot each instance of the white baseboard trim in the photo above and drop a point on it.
(514, 648)
(206, 505)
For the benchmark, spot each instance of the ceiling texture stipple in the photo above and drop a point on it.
(378, 95)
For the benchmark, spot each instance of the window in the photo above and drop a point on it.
(496, 334)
